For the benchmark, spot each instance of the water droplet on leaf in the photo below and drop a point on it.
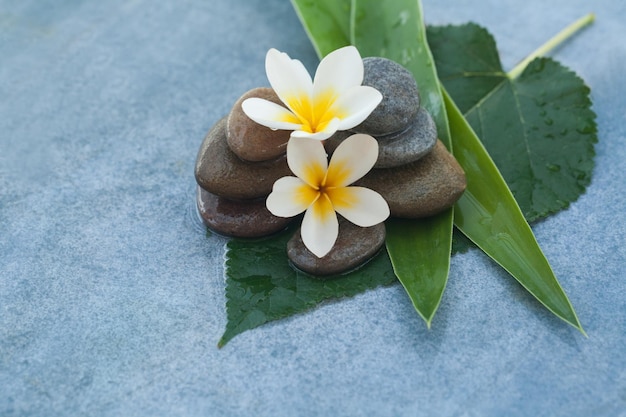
(585, 129)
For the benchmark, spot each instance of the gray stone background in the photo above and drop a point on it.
(112, 297)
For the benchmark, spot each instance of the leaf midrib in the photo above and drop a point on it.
(477, 74)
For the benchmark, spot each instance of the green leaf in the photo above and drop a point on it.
(420, 255)
(394, 29)
(545, 111)
(326, 22)
(488, 214)
(262, 286)
(419, 249)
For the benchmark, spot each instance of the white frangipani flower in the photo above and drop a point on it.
(322, 189)
(334, 100)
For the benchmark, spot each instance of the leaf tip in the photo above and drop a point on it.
(577, 325)
(223, 340)
(428, 319)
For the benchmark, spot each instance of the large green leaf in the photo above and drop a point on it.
(420, 255)
(262, 286)
(538, 127)
(327, 22)
(419, 249)
(488, 214)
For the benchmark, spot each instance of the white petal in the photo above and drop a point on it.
(356, 105)
(360, 205)
(329, 130)
(289, 197)
(270, 114)
(288, 77)
(320, 227)
(307, 160)
(352, 159)
(339, 71)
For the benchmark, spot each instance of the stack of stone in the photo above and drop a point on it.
(240, 160)
(414, 172)
(237, 165)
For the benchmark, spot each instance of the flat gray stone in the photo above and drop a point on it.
(246, 219)
(354, 246)
(219, 171)
(422, 188)
(400, 97)
(410, 145)
(400, 148)
(250, 140)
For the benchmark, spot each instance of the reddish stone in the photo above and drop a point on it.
(354, 246)
(219, 171)
(238, 218)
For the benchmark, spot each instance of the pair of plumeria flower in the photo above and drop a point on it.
(316, 109)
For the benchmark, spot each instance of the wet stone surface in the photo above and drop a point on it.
(245, 219)
(410, 145)
(219, 171)
(400, 97)
(354, 246)
(250, 140)
(422, 188)
(400, 148)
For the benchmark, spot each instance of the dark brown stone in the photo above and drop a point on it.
(354, 246)
(422, 188)
(250, 140)
(219, 171)
(238, 218)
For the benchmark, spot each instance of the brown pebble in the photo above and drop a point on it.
(354, 246)
(238, 218)
(250, 140)
(219, 171)
(422, 188)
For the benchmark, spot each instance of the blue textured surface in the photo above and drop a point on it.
(112, 297)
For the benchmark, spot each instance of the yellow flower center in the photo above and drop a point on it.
(314, 115)
(324, 191)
